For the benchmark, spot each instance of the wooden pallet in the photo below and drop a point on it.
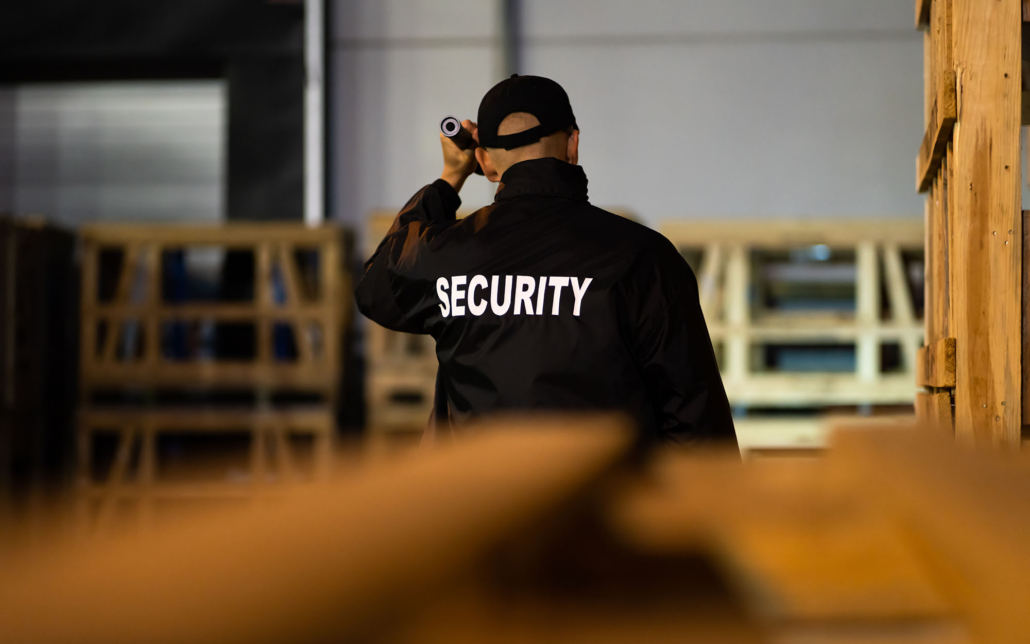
(315, 316)
(136, 433)
(291, 311)
(724, 262)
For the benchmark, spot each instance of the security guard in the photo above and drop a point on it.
(541, 300)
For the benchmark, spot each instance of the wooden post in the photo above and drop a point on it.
(987, 257)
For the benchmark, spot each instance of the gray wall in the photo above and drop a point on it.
(688, 108)
(114, 151)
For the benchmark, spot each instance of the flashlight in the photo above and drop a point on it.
(453, 130)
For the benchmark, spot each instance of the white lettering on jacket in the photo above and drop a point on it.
(441, 292)
(457, 294)
(452, 292)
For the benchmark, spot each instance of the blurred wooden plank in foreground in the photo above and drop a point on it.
(321, 566)
(553, 530)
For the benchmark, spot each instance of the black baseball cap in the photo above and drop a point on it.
(536, 95)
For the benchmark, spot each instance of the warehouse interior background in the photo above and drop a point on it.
(688, 109)
(693, 114)
(202, 440)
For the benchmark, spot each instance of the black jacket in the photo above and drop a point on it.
(542, 301)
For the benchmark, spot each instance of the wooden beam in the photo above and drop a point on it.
(987, 223)
(935, 366)
(347, 555)
(939, 129)
(904, 230)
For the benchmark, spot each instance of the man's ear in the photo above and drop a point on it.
(487, 164)
(572, 151)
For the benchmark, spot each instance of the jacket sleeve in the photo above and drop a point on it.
(393, 286)
(674, 352)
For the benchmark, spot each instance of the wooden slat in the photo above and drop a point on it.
(320, 377)
(130, 264)
(904, 230)
(233, 235)
(113, 485)
(708, 282)
(922, 13)
(808, 390)
(987, 220)
(292, 288)
(867, 306)
(152, 336)
(738, 278)
(222, 312)
(935, 366)
(263, 297)
(943, 114)
(313, 420)
(934, 409)
(902, 311)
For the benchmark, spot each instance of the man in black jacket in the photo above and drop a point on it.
(541, 300)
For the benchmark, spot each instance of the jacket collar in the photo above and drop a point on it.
(549, 177)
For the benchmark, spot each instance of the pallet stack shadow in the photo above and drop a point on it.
(206, 343)
(809, 317)
(400, 367)
(37, 349)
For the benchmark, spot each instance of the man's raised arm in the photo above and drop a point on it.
(392, 288)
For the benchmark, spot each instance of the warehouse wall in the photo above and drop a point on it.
(689, 108)
(398, 67)
(114, 151)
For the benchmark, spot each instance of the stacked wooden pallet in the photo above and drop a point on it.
(206, 332)
(37, 340)
(808, 315)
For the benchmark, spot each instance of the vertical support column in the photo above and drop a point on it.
(314, 112)
(867, 306)
(987, 223)
(737, 314)
(510, 37)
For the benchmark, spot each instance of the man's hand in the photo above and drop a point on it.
(458, 164)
